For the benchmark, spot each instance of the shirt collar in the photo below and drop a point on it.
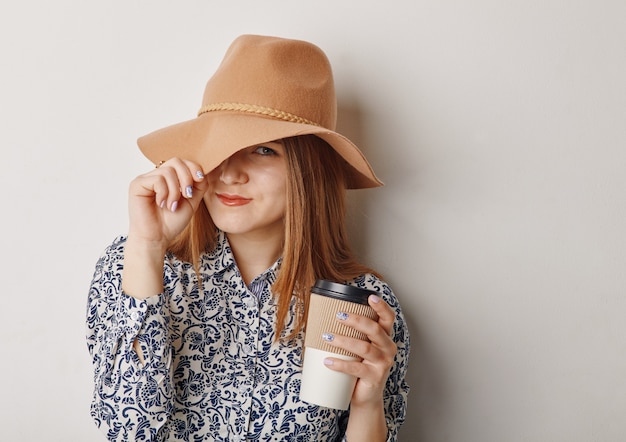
(222, 259)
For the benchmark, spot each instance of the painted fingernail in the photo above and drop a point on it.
(162, 204)
(199, 174)
(375, 299)
(328, 337)
(342, 316)
(189, 191)
(328, 361)
(174, 206)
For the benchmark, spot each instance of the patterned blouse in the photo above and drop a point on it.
(212, 370)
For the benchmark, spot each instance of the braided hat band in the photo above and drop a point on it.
(254, 109)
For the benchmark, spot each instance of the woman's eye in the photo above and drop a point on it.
(264, 150)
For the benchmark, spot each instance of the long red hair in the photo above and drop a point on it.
(316, 243)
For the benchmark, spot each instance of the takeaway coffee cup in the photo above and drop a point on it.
(321, 385)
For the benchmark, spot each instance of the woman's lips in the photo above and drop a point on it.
(232, 200)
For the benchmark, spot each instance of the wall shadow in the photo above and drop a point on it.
(426, 376)
(349, 124)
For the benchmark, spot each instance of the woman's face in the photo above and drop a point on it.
(247, 192)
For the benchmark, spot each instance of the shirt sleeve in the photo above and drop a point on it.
(397, 389)
(132, 401)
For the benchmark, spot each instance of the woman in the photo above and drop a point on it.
(196, 317)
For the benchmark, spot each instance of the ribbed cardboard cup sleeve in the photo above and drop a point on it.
(322, 319)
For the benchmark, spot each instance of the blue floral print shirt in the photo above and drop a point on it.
(212, 370)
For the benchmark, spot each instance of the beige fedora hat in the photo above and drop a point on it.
(265, 89)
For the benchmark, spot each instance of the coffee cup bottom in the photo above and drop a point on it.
(323, 386)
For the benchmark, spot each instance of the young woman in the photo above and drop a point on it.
(196, 317)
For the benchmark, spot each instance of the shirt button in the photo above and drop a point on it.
(134, 316)
(251, 302)
(247, 349)
(237, 438)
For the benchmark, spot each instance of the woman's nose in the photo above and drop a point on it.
(232, 170)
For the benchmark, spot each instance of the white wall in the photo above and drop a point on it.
(497, 126)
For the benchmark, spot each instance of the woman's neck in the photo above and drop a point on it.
(254, 254)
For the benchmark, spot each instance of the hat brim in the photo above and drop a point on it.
(213, 137)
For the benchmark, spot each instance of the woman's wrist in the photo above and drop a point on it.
(367, 422)
(142, 275)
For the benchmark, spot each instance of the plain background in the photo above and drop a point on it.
(498, 127)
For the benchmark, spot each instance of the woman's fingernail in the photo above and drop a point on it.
(189, 191)
(328, 337)
(328, 361)
(162, 204)
(342, 316)
(375, 299)
(199, 174)
(174, 206)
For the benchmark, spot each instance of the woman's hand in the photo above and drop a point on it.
(162, 201)
(367, 414)
(160, 204)
(378, 354)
